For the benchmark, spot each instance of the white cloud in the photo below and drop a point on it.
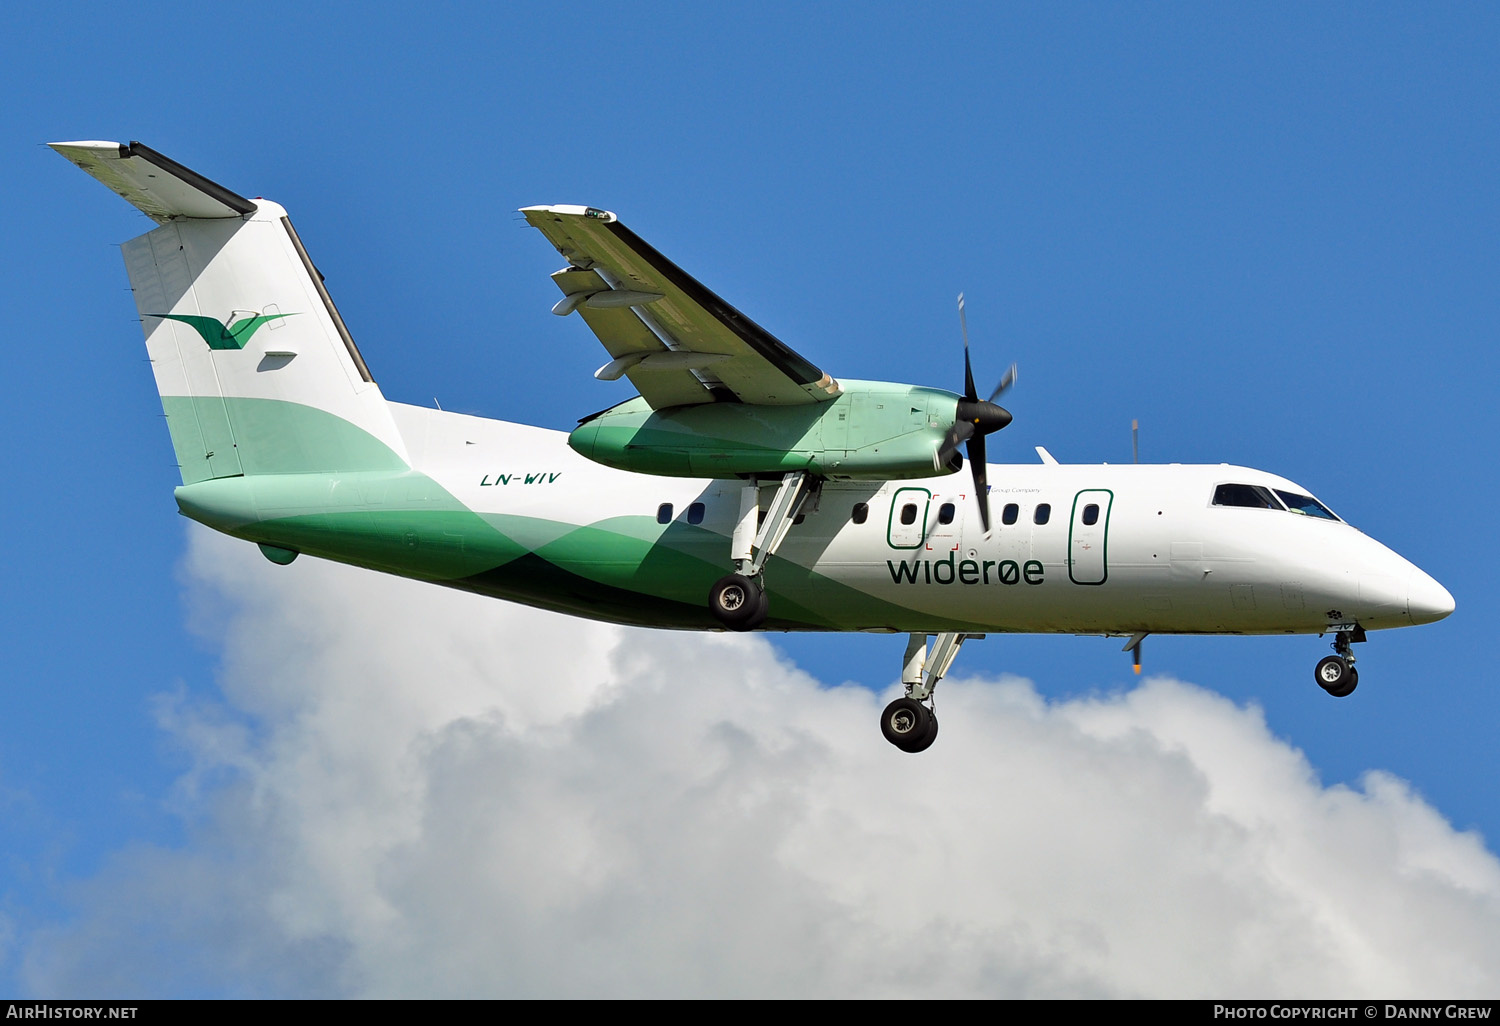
(409, 791)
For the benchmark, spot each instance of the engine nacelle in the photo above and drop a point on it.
(872, 431)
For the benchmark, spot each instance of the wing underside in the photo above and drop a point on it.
(677, 342)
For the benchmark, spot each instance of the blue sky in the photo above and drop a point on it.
(1267, 231)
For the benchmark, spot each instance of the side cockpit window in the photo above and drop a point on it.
(1246, 496)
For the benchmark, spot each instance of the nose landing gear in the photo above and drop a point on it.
(1336, 674)
(910, 723)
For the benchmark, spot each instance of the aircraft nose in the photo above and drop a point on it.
(1427, 601)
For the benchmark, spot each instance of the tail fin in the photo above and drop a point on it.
(256, 370)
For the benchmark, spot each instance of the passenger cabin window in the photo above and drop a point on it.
(664, 513)
(861, 512)
(1306, 505)
(945, 513)
(1043, 513)
(1011, 512)
(909, 513)
(695, 513)
(1090, 515)
(1248, 496)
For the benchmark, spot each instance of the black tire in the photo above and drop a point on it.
(739, 602)
(908, 725)
(926, 742)
(765, 605)
(1352, 682)
(1332, 674)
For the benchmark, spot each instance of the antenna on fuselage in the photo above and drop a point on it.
(1133, 646)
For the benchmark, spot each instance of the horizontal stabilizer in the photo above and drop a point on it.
(157, 185)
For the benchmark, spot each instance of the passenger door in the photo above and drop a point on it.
(1088, 537)
(908, 523)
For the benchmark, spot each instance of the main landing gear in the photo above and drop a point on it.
(739, 600)
(910, 723)
(1336, 673)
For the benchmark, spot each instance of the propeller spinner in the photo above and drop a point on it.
(974, 419)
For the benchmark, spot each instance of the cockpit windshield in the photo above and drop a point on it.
(1248, 496)
(1306, 505)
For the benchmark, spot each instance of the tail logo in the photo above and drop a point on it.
(217, 334)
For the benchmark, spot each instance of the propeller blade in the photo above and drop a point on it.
(960, 432)
(973, 419)
(1005, 382)
(981, 479)
(970, 392)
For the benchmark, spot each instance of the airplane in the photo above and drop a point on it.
(744, 488)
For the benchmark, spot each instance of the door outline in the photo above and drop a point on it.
(919, 526)
(1086, 533)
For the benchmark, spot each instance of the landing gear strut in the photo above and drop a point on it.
(739, 600)
(910, 723)
(1336, 674)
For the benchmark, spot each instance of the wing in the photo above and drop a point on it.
(676, 341)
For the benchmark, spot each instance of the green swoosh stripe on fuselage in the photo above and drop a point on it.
(625, 569)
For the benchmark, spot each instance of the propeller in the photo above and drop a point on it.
(974, 419)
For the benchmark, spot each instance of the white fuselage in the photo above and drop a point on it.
(1159, 557)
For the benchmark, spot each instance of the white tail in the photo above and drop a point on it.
(257, 372)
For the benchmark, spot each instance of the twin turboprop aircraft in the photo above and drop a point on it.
(743, 488)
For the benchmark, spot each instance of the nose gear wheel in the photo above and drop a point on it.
(909, 725)
(909, 722)
(1336, 674)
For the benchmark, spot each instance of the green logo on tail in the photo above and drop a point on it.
(220, 336)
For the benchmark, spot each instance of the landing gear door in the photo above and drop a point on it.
(1088, 537)
(908, 523)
